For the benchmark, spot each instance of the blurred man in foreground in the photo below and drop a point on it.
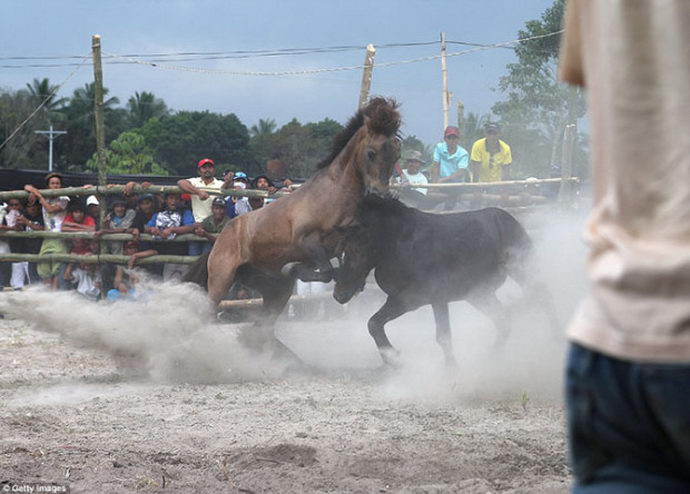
(628, 373)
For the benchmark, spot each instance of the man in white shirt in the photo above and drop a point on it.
(628, 373)
(198, 187)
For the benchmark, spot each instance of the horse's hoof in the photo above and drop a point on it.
(391, 357)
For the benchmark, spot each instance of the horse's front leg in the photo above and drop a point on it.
(443, 335)
(392, 309)
(323, 271)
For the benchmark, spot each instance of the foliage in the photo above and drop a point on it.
(42, 90)
(144, 106)
(263, 128)
(75, 148)
(129, 155)
(26, 149)
(302, 147)
(178, 141)
(537, 107)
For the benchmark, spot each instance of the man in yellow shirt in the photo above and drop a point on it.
(491, 157)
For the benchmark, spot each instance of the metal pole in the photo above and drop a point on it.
(52, 135)
(366, 75)
(444, 73)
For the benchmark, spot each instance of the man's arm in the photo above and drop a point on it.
(187, 186)
(570, 65)
(69, 226)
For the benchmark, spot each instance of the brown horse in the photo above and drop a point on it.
(299, 228)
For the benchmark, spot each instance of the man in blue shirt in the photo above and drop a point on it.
(165, 226)
(450, 159)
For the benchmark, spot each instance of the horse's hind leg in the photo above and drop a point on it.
(443, 336)
(221, 274)
(392, 309)
(275, 293)
(489, 305)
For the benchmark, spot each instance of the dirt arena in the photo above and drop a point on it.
(155, 396)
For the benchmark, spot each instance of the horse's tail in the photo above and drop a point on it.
(517, 244)
(198, 272)
(522, 267)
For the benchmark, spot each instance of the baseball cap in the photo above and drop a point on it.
(218, 201)
(416, 156)
(92, 200)
(241, 176)
(146, 197)
(205, 161)
(491, 127)
(451, 131)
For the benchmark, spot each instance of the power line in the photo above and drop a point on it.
(330, 69)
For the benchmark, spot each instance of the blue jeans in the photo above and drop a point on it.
(628, 424)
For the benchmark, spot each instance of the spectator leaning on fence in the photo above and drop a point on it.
(201, 200)
(54, 212)
(450, 159)
(119, 220)
(10, 222)
(78, 221)
(491, 157)
(214, 224)
(31, 219)
(165, 226)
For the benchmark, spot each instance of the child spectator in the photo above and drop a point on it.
(78, 221)
(165, 226)
(125, 278)
(93, 208)
(85, 278)
(213, 223)
(32, 219)
(54, 212)
(20, 270)
(119, 220)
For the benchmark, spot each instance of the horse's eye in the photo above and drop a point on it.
(371, 154)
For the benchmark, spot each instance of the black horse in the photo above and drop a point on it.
(421, 259)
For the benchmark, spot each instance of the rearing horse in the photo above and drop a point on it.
(300, 228)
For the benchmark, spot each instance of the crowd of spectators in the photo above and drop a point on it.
(201, 209)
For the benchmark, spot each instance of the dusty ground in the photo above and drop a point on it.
(199, 414)
(72, 417)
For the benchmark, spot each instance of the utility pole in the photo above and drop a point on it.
(461, 117)
(366, 75)
(444, 73)
(98, 109)
(52, 135)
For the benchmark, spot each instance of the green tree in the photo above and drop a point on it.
(302, 147)
(178, 141)
(42, 90)
(263, 128)
(26, 149)
(143, 106)
(79, 144)
(537, 107)
(129, 155)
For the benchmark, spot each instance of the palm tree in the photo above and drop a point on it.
(144, 106)
(473, 128)
(264, 128)
(42, 90)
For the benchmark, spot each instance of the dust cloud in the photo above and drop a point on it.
(168, 334)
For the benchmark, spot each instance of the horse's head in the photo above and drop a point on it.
(357, 258)
(378, 147)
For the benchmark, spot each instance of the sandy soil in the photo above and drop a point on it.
(199, 414)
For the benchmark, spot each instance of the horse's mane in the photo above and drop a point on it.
(384, 119)
(380, 205)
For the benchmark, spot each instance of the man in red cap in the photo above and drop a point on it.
(450, 159)
(198, 187)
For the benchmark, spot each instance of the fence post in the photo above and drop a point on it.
(565, 194)
(444, 75)
(366, 75)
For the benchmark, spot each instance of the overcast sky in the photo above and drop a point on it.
(31, 28)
